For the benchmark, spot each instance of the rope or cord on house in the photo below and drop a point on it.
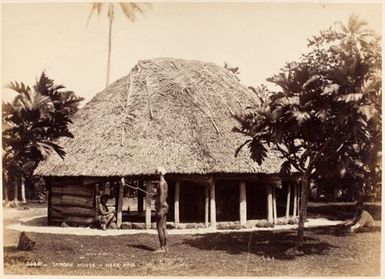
(232, 95)
(128, 93)
(148, 99)
(218, 94)
(181, 79)
(137, 188)
(210, 116)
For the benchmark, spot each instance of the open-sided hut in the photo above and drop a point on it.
(173, 113)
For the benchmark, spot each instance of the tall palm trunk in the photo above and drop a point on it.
(15, 192)
(305, 189)
(110, 12)
(129, 9)
(5, 192)
(23, 199)
(5, 189)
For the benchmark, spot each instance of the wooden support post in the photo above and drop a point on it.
(288, 200)
(298, 197)
(140, 197)
(213, 213)
(207, 202)
(126, 194)
(115, 188)
(95, 193)
(274, 207)
(295, 201)
(242, 204)
(49, 198)
(269, 193)
(119, 203)
(176, 203)
(148, 205)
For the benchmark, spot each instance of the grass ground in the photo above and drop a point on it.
(328, 252)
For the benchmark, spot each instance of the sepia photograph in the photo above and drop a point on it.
(192, 139)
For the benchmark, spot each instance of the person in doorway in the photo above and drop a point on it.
(105, 217)
(362, 218)
(161, 207)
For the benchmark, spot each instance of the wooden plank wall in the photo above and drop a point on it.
(71, 202)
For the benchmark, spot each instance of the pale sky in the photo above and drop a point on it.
(257, 37)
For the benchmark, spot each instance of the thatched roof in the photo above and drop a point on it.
(167, 112)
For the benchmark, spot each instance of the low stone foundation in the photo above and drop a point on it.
(232, 225)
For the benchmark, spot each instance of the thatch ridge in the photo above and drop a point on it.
(167, 112)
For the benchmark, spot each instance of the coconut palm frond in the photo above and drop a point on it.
(96, 7)
(110, 13)
(131, 10)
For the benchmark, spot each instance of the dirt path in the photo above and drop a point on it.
(23, 225)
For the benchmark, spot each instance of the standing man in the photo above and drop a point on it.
(161, 207)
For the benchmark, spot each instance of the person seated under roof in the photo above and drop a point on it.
(105, 217)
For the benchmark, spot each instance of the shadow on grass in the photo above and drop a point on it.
(342, 231)
(369, 230)
(343, 211)
(10, 249)
(40, 222)
(268, 244)
(141, 247)
(331, 231)
(12, 255)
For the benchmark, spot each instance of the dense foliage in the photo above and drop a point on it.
(32, 123)
(326, 119)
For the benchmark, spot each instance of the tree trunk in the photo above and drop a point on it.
(15, 192)
(23, 199)
(305, 185)
(109, 49)
(5, 190)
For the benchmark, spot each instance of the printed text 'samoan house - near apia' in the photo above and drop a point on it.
(177, 114)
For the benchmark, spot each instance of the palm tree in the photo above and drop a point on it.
(130, 10)
(354, 38)
(354, 35)
(23, 141)
(31, 125)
